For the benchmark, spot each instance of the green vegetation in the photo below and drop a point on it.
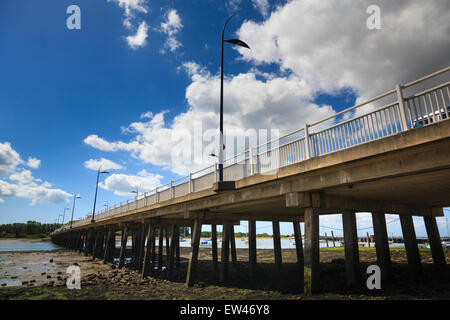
(31, 229)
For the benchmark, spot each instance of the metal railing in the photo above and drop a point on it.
(313, 140)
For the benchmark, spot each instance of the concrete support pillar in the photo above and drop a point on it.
(148, 249)
(382, 245)
(233, 247)
(277, 244)
(252, 247)
(82, 242)
(352, 264)
(108, 248)
(197, 230)
(410, 240)
(95, 247)
(311, 251)
(167, 244)
(225, 252)
(123, 247)
(177, 248)
(141, 247)
(87, 246)
(214, 247)
(332, 238)
(435, 241)
(299, 247)
(153, 254)
(172, 251)
(326, 239)
(160, 247)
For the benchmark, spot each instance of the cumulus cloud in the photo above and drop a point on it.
(250, 103)
(21, 181)
(139, 39)
(132, 6)
(330, 51)
(171, 26)
(33, 162)
(332, 48)
(105, 164)
(9, 158)
(123, 184)
(262, 6)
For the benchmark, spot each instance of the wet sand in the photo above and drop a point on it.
(105, 282)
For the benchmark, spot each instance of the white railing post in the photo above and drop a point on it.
(145, 199)
(307, 145)
(401, 108)
(215, 170)
(171, 189)
(252, 170)
(157, 195)
(190, 183)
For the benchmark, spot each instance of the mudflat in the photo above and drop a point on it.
(43, 276)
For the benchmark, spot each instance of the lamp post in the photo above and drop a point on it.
(64, 214)
(136, 191)
(75, 197)
(96, 189)
(221, 145)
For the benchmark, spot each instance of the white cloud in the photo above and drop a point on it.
(331, 47)
(1, 200)
(331, 50)
(171, 26)
(33, 162)
(139, 39)
(123, 184)
(132, 6)
(262, 6)
(22, 177)
(21, 181)
(9, 158)
(105, 164)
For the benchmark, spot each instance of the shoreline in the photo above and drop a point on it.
(106, 282)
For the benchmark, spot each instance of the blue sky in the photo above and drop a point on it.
(70, 96)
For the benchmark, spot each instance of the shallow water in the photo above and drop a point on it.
(26, 245)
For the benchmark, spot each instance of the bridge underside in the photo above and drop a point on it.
(406, 174)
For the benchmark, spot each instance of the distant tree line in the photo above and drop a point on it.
(31, 229)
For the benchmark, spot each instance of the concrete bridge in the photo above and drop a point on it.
(393, 158)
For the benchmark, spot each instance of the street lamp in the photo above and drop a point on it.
(221, 145)
(64, 214)
(75, 197)
(96, 189)
(136, 191)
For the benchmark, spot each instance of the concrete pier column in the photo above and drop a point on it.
(233, 247)
(382, 245)
(332, 239)
(214, 247)
(252, 247)
(277, 244)
(172, 251)
(160, 248)
(141, 247)
(107, 253)
(112, 245)
(177, 248)
(88, 241)
(153, 254)
(167, 244)
(299, 248)
(410, 240)
(148, 248)
(123, 247)
(311, 251)
(225, 252)
(95, 246)
(197, 230)
(352, 264)
(435, 241)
